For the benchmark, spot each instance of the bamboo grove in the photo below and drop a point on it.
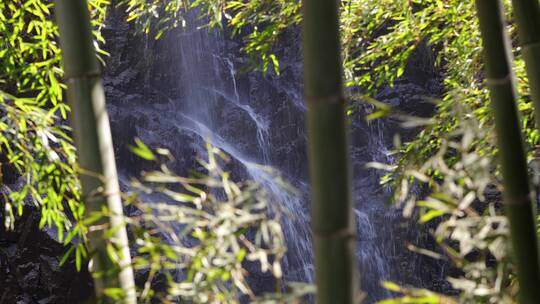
(101, 192)
(323, 32)
(500, 81)
(328, 152)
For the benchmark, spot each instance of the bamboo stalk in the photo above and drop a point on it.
(332, 221)
(94, 148)
(517, 193)
(527, 17)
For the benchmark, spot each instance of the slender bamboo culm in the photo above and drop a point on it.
(527, 17)
(332, 220)
(517, 194)
(94, 149)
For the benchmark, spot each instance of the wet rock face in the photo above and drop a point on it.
(252, 115)
(149, 88)
(171, 92)
(30, 270)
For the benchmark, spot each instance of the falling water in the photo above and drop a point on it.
(207, 100)
(211, 85)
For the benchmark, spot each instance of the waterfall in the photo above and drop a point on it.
(259, 121)
(210, 86)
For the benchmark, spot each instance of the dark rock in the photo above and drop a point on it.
(30, 270)
(170, 96)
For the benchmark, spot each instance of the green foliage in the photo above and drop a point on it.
(207, 227)
(414, 296)
(156, 17)
(259, 22)
(34, 135)
(141, 150)
(31, 58)
(463, 206)
(379, 37)
(42, 152)
(30, 65)
(195, 237)
(452, 157)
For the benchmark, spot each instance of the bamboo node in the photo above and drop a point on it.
(499, 81)
(331, 99)
(86, 75)
(518, 200)
(530, 45)
(341, 233)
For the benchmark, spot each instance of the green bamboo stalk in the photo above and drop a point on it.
(332, 221)
(94, 148)
(527, 17)
(517, 193)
